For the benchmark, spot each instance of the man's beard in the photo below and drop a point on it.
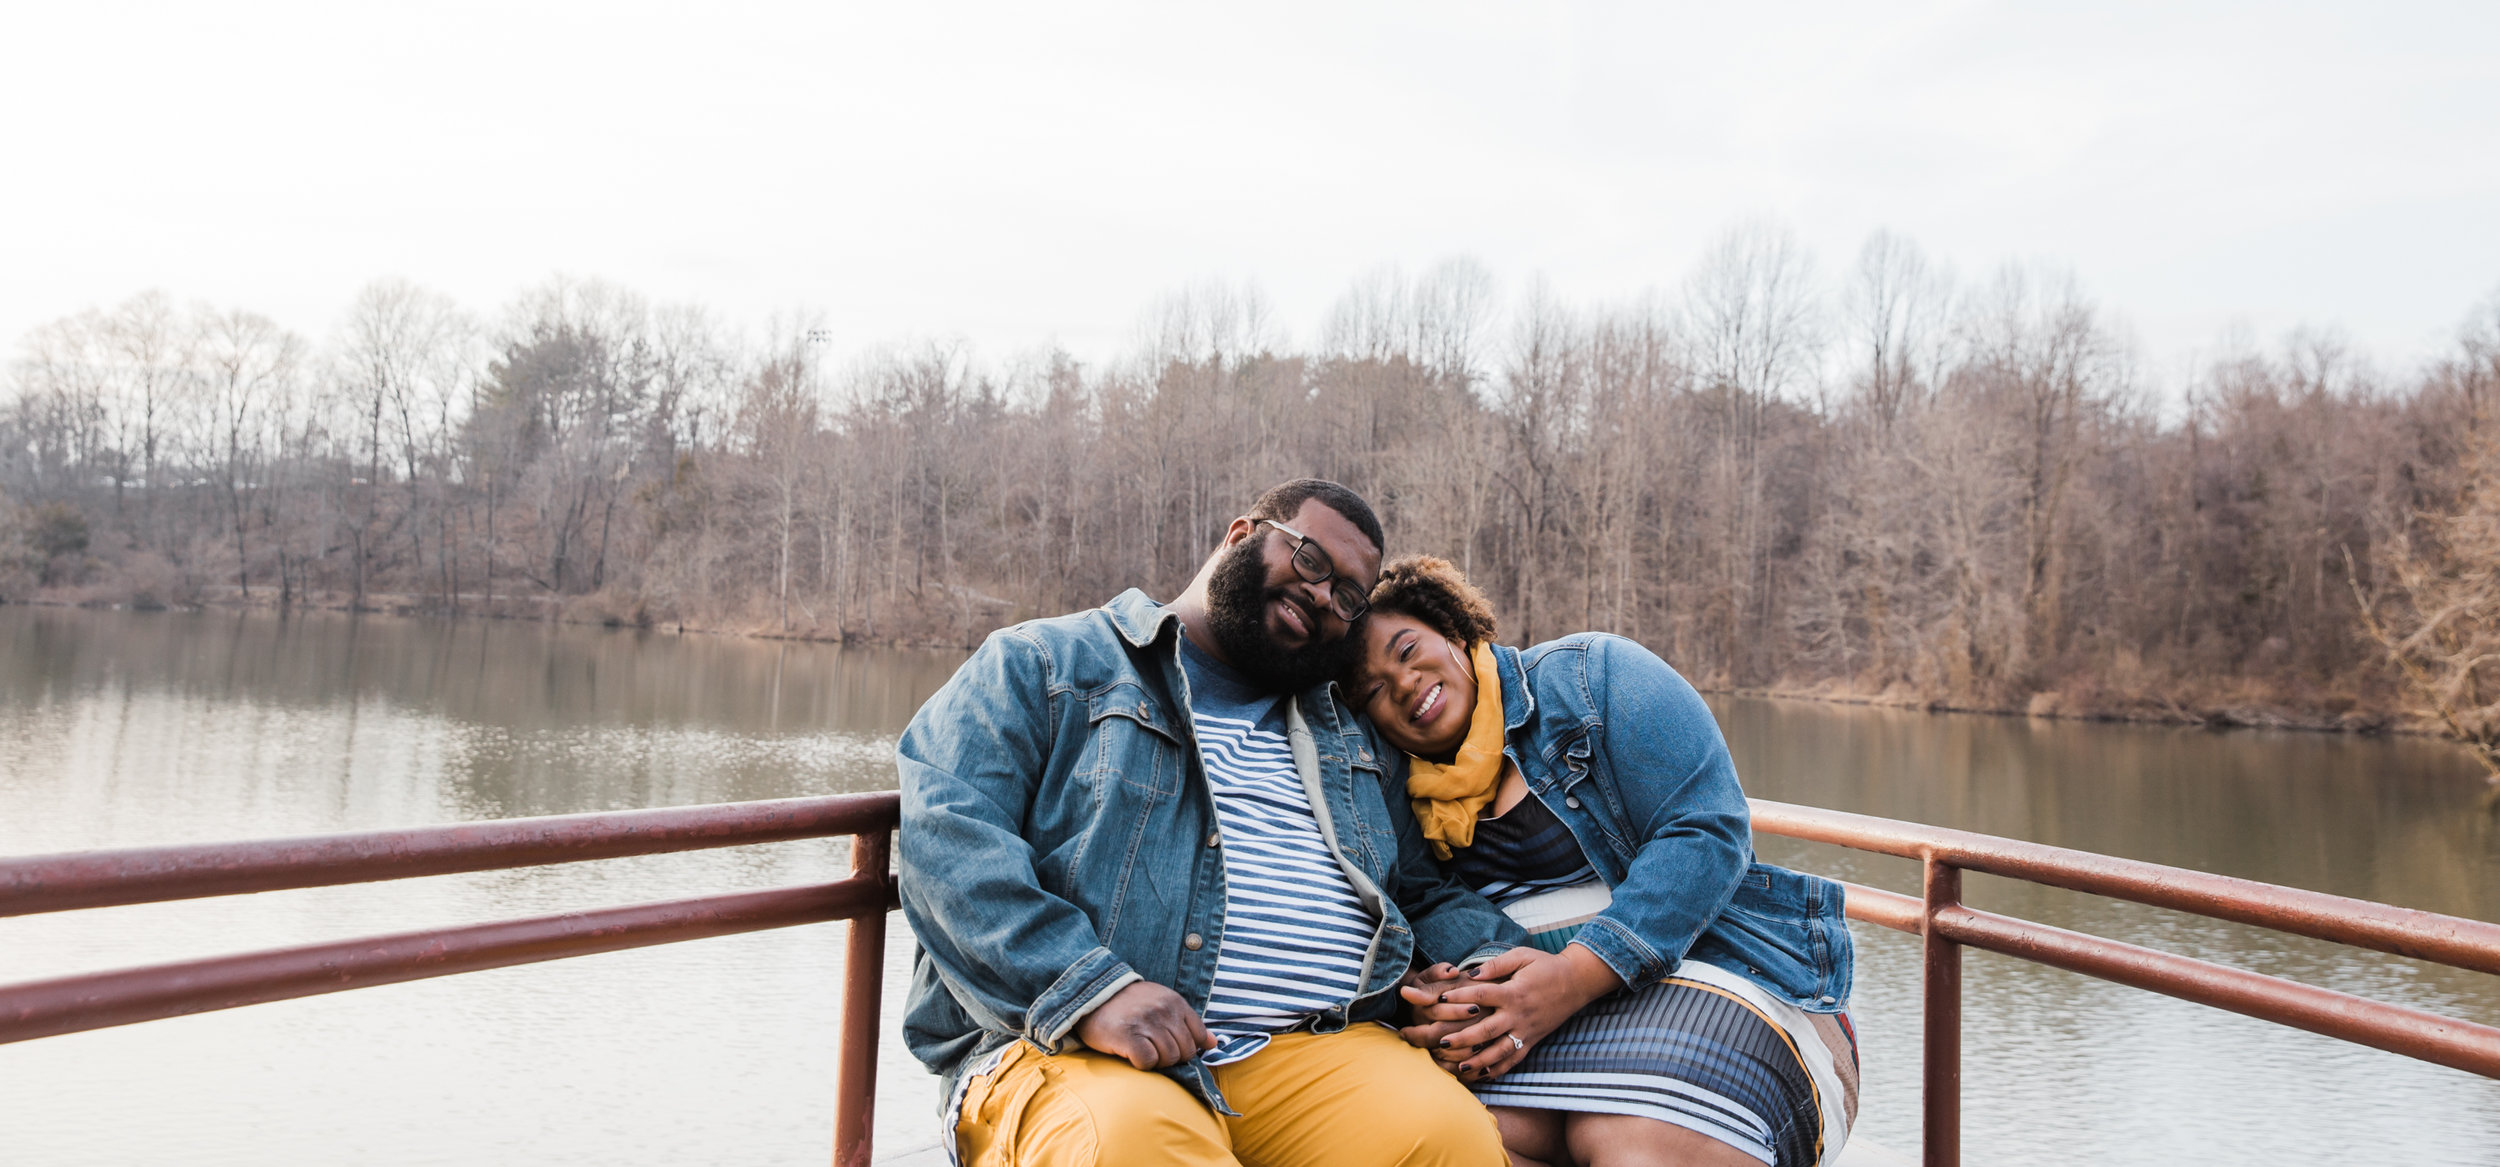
(1237, 599)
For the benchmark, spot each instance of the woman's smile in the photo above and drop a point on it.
(1429, 707)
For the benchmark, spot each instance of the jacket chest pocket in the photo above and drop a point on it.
(1134, 744)
(1576, 765)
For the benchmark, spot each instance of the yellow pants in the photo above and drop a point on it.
(1359, 1097)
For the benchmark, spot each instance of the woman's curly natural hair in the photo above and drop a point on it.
(1431, 589)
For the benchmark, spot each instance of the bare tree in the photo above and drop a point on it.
(61, 404)
(1213, 321)
(2440, 621)
(1755, 331)
(248, 367)
(2043, 354)
(144, 342)
(778, 421)
(407, 357)
(1899, 311)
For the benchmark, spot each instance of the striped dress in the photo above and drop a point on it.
(1294, 932)
(1704, 1049)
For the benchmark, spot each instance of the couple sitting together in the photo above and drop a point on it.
(1179, 871)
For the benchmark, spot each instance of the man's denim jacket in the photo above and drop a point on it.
(1623, 751)
(1059, 842)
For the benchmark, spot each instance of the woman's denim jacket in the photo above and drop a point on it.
(1623, 751)
(1058, 842)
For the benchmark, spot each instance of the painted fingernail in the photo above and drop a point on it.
(1473, 1010)
(1445, 999)
(1445, 1043)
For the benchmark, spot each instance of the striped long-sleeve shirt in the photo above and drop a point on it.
(1294, 932)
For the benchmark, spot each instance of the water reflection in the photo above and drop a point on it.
(2397, 820)
(121, 729)
(271, 724)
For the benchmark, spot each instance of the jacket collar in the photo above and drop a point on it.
(1142, 622)
(1517, 703)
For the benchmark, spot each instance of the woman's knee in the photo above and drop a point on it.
(1620, 1140)
(1532, 1136)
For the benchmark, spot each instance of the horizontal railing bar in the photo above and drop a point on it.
(2449, 940)
(2397, 1029)
(98, 879)
(1888, 908)
(99, 1000)
(2377, 1024)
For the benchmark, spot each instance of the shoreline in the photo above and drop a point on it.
(607, 611)
(590, 611)
(2373, 724)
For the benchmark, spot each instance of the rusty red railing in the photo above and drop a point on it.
(96, 879)
(1947, 926)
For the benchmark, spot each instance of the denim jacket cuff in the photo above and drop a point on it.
(1078, 991)
(1484, 954)
(1636, 962)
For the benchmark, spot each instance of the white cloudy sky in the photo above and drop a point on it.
(1028, 174)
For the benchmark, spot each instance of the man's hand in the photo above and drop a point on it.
(1148, 1024)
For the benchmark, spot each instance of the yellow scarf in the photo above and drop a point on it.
(1448, 797)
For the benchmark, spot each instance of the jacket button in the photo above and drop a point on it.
(1831, 1000)
(1216, 839)
(1142, 712)
(1572, 802)
(1193, 942)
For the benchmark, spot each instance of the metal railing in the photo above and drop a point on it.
(1946, 926)
(97, 879)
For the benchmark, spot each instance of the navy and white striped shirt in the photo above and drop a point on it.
(1294, 932)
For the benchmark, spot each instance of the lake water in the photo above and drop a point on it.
(126, 729)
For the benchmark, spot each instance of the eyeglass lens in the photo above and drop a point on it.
(1313, 564)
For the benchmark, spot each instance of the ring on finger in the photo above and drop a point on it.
(1515, 1043)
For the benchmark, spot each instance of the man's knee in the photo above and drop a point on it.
(1373, 1099)
(1440, 1124)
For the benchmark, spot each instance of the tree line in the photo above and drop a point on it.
(1892, 484)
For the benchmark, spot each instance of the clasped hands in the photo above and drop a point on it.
(1479, 1024)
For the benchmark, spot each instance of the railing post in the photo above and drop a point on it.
(1942, 984)
(863, 979)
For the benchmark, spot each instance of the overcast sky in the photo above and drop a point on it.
(1029, 174)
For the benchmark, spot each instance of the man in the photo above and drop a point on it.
(1164, 882)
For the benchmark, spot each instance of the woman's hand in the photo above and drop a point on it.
(1525, 994)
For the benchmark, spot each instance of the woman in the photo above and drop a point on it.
(1584, 787)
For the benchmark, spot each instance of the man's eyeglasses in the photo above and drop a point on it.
(1314, 566)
